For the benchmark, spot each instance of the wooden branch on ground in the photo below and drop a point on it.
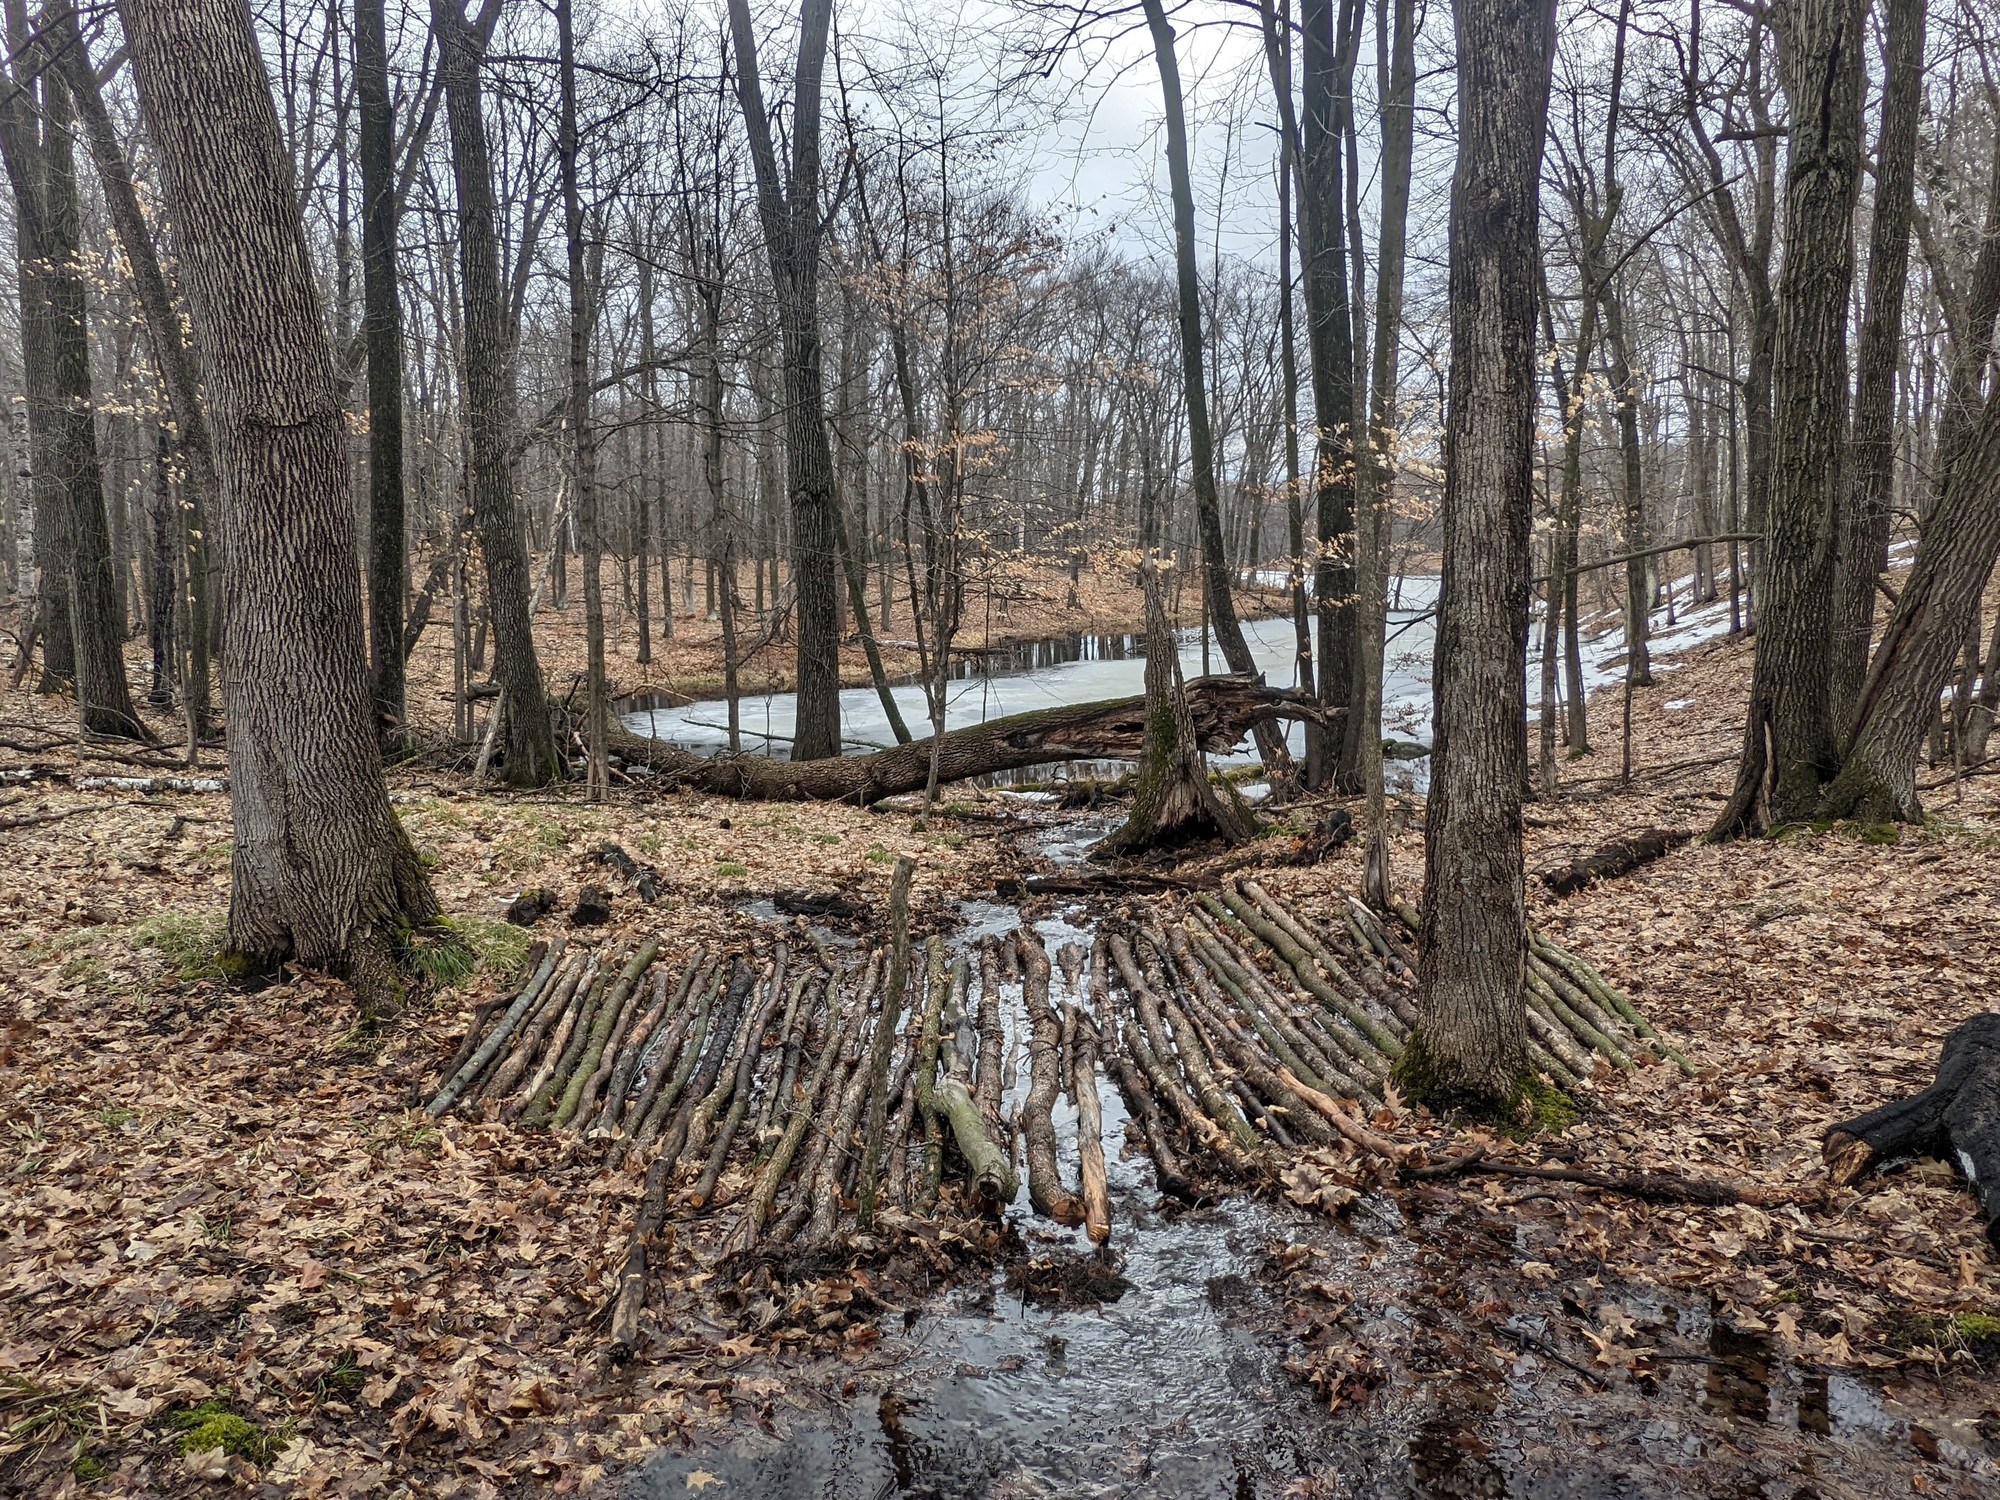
(1619, 856)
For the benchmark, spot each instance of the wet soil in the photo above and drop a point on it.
(1253, 1349)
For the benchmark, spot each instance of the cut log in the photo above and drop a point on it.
(1620, 856)
(1956, 1119)
(1045, 1185)
(1222, 710)
(1089, 1124)
(885, 1041)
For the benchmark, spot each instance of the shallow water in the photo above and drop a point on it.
(1179, 1386)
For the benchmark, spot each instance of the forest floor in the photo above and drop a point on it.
(221, 1205)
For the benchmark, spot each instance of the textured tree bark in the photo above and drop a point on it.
(1471, 1035)
(1638, 587)
(1957, 1117)
(1327, 63)
(1790, 748)
(1864, 520)
(37, 142)
(1925, 633)
(531, 758)
(1396, 69)
(173, 358)
(322, 871)
(790, 213)
(382, 328)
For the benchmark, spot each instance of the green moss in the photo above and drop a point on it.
(1880, 833)
(195, 943)
(728, 867)
(87, 1466)
(213, 1425)
(1976, 1332)
(1532, 1107)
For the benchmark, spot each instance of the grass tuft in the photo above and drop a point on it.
(195, 943)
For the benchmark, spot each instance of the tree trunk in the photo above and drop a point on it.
(790, 213)
(322, 871)
(1217, 597)
(1638, 590)
(583, 441)
(1789, 748)
(531, 758)
(382, 328)
(1396, 67)
(1172, 800)
(1327, 62)
(1925, 633)
(1471, 1035)
(38, 144)
(173, 358)
(1222, 710)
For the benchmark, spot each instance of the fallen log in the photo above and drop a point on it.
(1089, 1127)
(1046, 1190)
(1957, 1119)
(1621, 856)
(1222, 711)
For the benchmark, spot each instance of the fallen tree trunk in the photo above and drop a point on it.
(1620, 856)
(1957, 1118)
(1222, 711)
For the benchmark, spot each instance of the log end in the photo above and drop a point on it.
(1848, 1157)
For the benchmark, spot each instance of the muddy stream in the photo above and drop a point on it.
(1176, 1382)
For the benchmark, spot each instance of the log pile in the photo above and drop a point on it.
(812, 1095)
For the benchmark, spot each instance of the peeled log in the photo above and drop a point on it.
(1957, 1119)
(1222, 711)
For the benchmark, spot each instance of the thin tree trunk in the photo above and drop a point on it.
(531, 758)
(382, 327)
(583, 439)
(38, 145)
(322, 871)
(1218, 601)
(791, 217)
(1471, 1036)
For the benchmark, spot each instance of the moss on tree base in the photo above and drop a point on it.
(1526, 1105)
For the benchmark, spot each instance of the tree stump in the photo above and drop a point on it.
(1957, 1119)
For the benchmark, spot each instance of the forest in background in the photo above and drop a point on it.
(397, 394)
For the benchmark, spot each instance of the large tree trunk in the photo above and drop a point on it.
(1216, 590)
(1221, 711)
(531, 758)
(382, 328)
(1790, 748)
(1864, 520)
(790, 213)
(39, 149)
(1471, 1036)
(322, 871)
(173, 358)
